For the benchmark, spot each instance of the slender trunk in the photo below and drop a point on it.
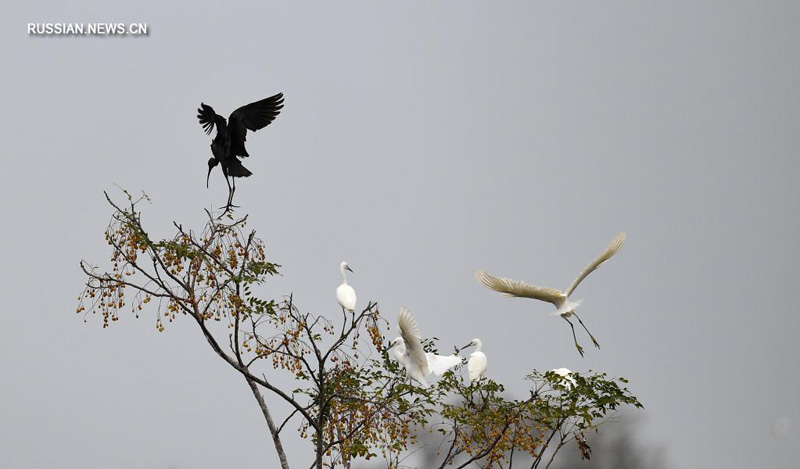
(321, 417)
(319, 449)
(273, 430)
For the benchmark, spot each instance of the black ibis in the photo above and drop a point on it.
(228, 145)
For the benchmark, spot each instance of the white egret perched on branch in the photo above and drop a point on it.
(344, 292)
(408, 351)
(565, 373)
(477, 364)
(565, 307)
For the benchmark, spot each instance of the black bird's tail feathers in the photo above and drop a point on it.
(237, 170)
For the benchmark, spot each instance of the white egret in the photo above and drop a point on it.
(344, 292)
(477, 364)
(565, 373)
(564, 307)
(408, 351)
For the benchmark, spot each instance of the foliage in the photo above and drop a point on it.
(352, 401)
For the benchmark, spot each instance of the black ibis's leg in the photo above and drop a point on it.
(230, 201)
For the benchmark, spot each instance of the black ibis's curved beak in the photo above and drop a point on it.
(209, 175)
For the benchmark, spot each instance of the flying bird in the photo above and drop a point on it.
(477, 364)
(564, 307)
(344, 292)
(228, 145)
(408, 351)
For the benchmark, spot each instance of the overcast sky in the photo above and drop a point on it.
(420, 141)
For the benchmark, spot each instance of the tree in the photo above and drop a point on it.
(352, 401)
(619, 447)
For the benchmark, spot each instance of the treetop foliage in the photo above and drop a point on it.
(350, 398)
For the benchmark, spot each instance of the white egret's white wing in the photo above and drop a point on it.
(440, 363)
(410, 333)
(518, 288)
(476, 366)
(606, 255)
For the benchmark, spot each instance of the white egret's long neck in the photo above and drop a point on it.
(344, 275)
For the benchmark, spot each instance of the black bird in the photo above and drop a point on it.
(228, 145)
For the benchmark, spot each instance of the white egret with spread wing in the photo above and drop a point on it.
(408, 352)
(564, 307)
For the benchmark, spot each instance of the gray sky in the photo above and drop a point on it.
(420, 141)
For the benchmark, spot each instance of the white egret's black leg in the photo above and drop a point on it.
(580, 349)
(594, 341)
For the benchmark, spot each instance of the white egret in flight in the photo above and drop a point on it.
(477, 364)
(344, 292)
(565, 307)
(408, 351)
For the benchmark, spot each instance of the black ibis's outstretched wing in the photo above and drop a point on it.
(208, 118)
(254, 116)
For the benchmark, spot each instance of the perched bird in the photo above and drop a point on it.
(477, 364)
(437, 364)
(565, 373)
(408, 351)
(564, 307)
(228, 144)
(401, 354)
(344, 292)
